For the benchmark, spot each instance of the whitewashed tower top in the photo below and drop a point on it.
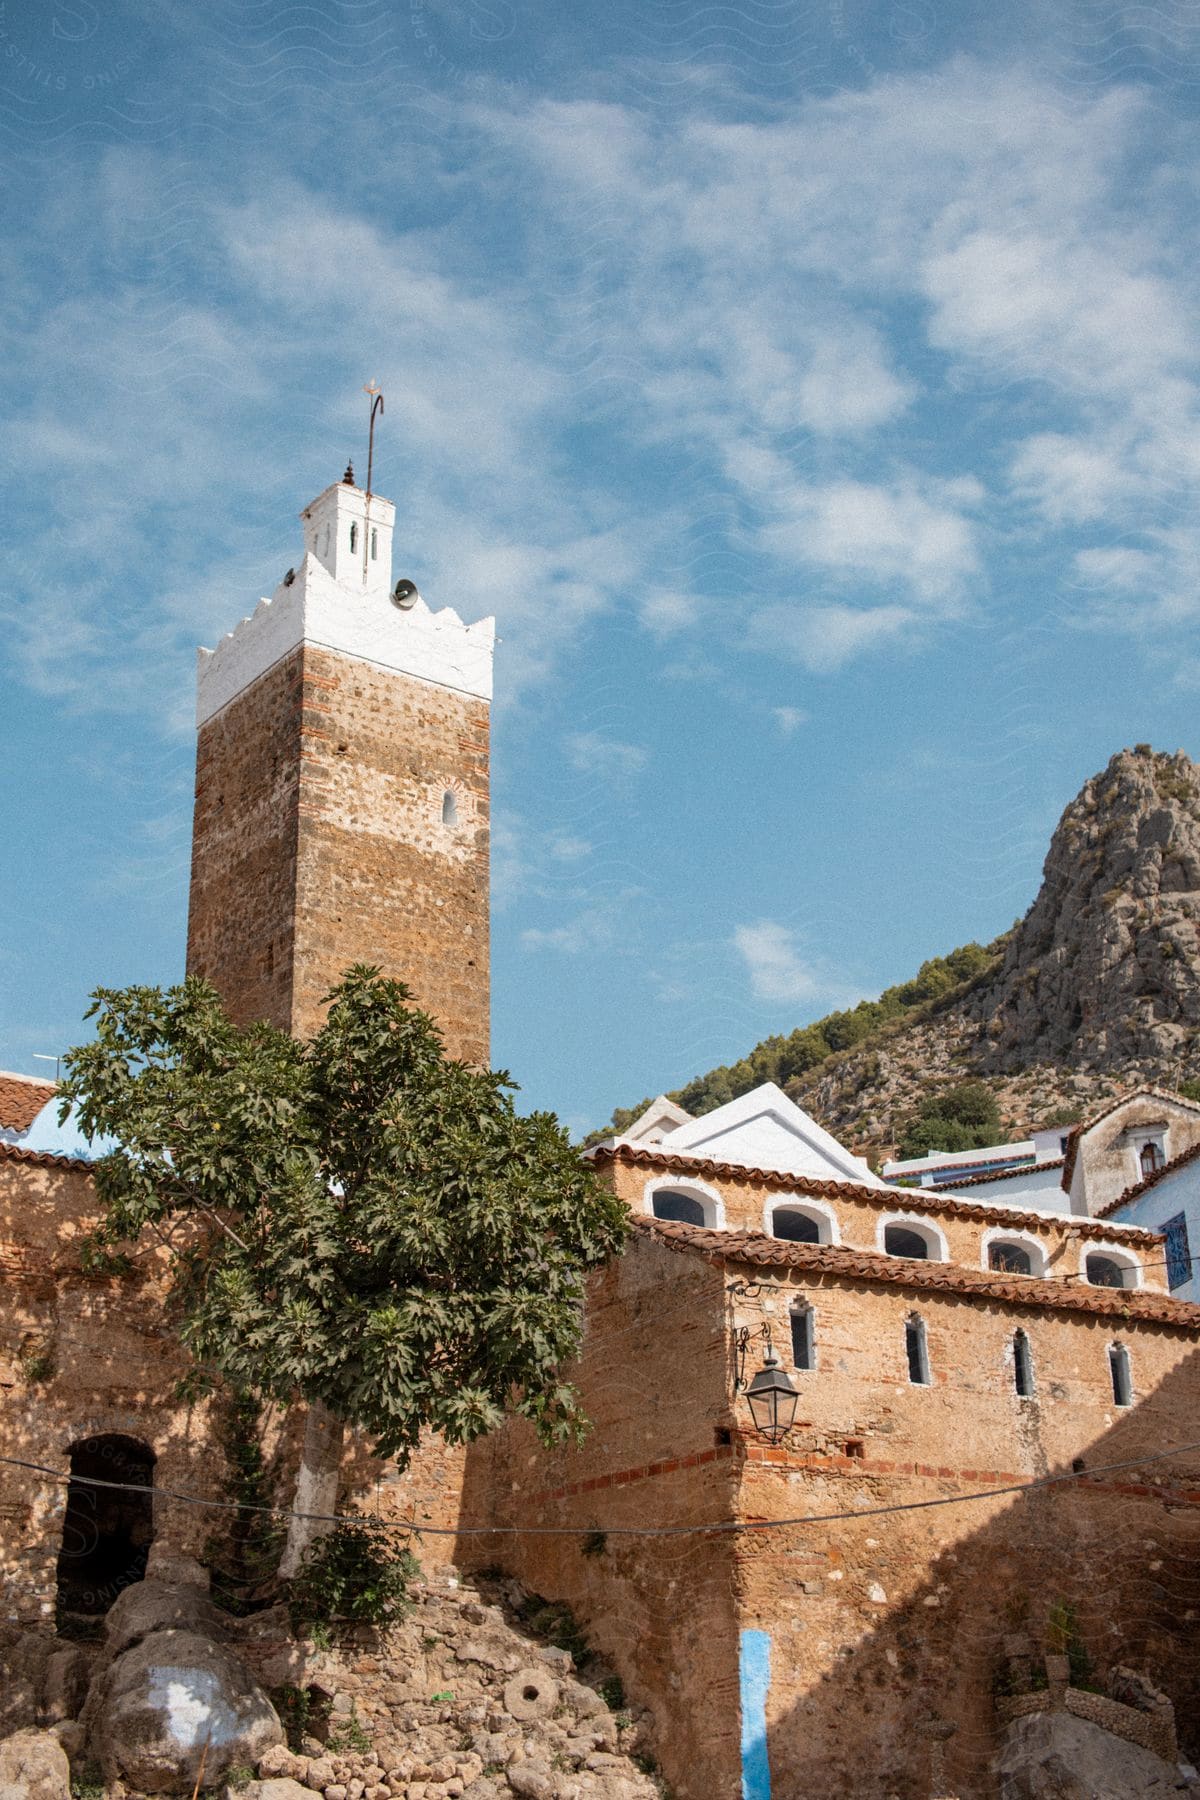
(340, 598)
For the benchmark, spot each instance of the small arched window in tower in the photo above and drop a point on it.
(374, 545)
(1152, 1158)
(1022, 1366)
(449, 808)
(353, 537)
(684, 1209)
(804, 1343)
(1122, 1381)
(917, 1351)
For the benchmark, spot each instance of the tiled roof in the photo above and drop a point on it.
(1148, 1181)
(46, 1159)
(916, 1200)
(1077, 1131)
(756, 1250)
(1055, 1162)
(22, 1098)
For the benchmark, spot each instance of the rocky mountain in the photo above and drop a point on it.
(1096, 989)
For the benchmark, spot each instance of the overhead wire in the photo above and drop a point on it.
(1040, 1483)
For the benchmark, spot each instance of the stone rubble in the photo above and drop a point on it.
(456, 1701)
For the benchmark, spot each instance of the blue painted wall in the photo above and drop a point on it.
(755, 1672)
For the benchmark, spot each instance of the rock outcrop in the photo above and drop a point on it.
(1098, 988)
(1055, 1756)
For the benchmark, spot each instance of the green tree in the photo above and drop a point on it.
(965, 1117)
(357, 1222)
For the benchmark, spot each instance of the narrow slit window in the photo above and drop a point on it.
(449, 808)
(374, 545)
(917, 1350)
(1022, 1366)
(1122, 1381)
(804, 1347)
(353, 537)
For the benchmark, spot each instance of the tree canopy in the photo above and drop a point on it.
(356, 1221)
(965, 1117)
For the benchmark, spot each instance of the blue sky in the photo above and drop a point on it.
(811, 391)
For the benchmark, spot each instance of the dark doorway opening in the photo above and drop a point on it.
(107, 1531)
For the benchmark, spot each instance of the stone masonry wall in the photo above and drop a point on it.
(380, 877)
(241, 909)
(655, 1377)
(876, 1624)
(319, 841)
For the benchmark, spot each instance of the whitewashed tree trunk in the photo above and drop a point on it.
(316, 1485)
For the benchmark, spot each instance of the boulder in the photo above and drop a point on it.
(279, 1787)
(1056, 1756)
(34, 1766)
(154, 1709)
(64, 1684)
(165, 1563)
(147, 1606)
(23, 1658)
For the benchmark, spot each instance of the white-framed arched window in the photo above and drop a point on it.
(1110, 1265)
(1007, 1252)
(799, 1219)
(684, 1199)
(910, 1235)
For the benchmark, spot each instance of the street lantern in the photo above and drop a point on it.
(772, 1399)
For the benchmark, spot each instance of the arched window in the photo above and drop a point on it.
(902, 1240)
(1022, 1366)
(1010, 1259)
(916, 1349)
(374, 544)
(795, 1226)
(1122, 1380)
(685, 1209)
(107, 1530)
(353, 537)
(804, 1344)
(1151, 1158)
(449, 809)
(1106, 1271)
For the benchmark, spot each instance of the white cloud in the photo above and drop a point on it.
(823, 638)
(595, 754)
(777, 971)
(789, 718)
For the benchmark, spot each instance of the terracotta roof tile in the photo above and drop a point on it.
(916, 1200)
(47, 1159)
(759, 1251)
(1055, 1162)
(1148, 1181)
(22, 1098)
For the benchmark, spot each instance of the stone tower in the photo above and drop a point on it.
(342, 788)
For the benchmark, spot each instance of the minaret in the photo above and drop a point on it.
(342, 788)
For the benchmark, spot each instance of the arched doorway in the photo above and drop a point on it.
(107, 1531)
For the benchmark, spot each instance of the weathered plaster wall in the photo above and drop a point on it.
(1106, 1161)
(860, 1213)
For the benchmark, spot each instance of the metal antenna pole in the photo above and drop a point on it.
(376, 398)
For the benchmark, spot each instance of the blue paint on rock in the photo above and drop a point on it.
(755, 1673)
